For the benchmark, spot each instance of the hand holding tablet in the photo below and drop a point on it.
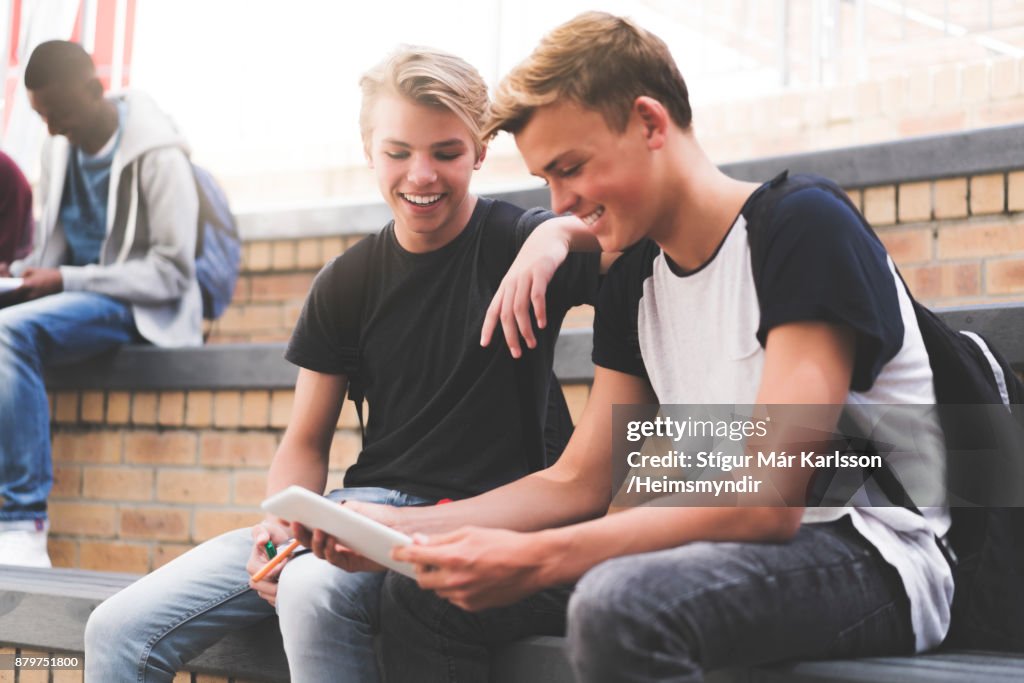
(366, 536)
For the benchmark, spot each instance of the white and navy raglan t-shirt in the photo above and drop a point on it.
(699, 336)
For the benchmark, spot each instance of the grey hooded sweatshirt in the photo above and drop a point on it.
(148, 256)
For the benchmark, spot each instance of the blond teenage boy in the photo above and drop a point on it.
(447, 418)
(600, 111)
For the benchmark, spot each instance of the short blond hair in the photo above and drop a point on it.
(431, 77)
(601, 62)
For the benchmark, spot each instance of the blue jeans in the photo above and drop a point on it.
(328, 617)
(674, 614)
(61, 328)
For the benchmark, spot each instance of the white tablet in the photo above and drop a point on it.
(366, 536)
(9, 283)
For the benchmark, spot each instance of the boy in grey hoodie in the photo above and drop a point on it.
(114, 262)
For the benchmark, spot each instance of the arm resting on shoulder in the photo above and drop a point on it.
(526, 282)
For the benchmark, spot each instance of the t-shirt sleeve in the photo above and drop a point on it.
(819, 262)
(316, 342)
(576, 280)
(616, 336)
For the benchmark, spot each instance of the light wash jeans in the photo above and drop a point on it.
(61, 328)
(671, 615)
(328, 617)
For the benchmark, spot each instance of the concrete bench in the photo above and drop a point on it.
(46, 610)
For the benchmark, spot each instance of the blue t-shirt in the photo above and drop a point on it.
(83, 204)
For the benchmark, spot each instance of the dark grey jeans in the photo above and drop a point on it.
(673, 614)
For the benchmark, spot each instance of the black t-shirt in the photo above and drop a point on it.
(444, 413)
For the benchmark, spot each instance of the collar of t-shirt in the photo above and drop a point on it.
(83, 209)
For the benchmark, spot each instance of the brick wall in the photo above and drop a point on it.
(953, 237)
(958, 241)
(141, 477)
(276, 275)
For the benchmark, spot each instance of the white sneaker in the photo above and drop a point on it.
(24, 543)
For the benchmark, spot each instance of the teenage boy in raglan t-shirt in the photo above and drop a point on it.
(600, 111)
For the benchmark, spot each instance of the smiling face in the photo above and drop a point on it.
(601, 176)
(423, 157)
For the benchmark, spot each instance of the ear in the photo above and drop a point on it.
(480, 159)
(653, 118)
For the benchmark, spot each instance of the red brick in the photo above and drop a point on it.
(155, 523)
(213, 522)
(227, 408)
(165, 552)
(172, 409)
(199, 409)
(1015, 191)
(117, 483)
(908, 246)
(255, 408)
(950, 199)
(67, 481)
(63, 553)
(250, 488)
(164, 448)
(258, 256)
(237, 449)
(280, 287)
(92, 519)
(114, 557)
(1005, 276)
(119, 404)
(308, 253)
(193, 486)
(283, 255)
(67, 407)
(915, 202)
(94, 447)
(281, 407)
(144, 408)
(988, 193)
(946, 281)
(981, 238)
(93, 405)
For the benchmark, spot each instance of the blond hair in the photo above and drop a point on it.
(601, 62)
(430, 77)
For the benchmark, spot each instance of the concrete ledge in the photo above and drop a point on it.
(47, 610)
(262, 366)
(986, 150)
(241, 366)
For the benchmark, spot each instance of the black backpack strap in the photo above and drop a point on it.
(350, 338)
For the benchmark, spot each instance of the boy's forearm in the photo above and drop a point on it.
(567, 553)
(538, 501)
(299, 466)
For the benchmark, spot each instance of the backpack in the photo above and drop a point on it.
(218, 246)
(542, 449)
(970, 376)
